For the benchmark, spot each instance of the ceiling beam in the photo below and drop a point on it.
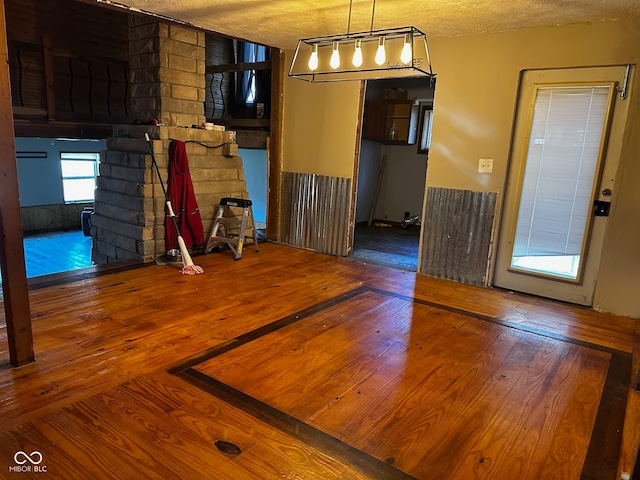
(238, 67)
(14, 278)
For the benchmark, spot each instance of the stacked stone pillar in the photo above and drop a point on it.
(167, 84)
(167, 64)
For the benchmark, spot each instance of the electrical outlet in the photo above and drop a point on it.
(485, 165)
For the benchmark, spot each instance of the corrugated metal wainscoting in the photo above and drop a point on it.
(457, 234)
(315, 212)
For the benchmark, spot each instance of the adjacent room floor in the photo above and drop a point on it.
(56, 252)
(389, 246)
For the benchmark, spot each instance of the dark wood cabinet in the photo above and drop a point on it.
(381, 115)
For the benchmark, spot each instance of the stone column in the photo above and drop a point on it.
(168, 84)
(128, 223)
(167, 64)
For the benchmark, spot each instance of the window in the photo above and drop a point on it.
(79, 171)
(426, 115)
(250, 53)
(562, 164)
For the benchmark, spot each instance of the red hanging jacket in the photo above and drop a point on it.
(183, 201)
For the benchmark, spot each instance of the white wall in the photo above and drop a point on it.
(254, 164)
(368, 172)
(403, 182)
(40, 179)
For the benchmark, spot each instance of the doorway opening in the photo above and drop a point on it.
(392, 171)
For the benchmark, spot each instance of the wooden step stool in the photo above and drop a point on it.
(228, 229)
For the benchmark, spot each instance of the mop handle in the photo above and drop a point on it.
(189, 267)
(155, 164)
(164, 191)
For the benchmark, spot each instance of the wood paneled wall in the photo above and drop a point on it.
(49, 218)
(68, 61)
(219, 86)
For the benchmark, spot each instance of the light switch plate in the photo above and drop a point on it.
(485, 165)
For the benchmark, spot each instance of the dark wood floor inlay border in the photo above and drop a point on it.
(600, 462)
(499, 321)
(295, 428)
(266, 329)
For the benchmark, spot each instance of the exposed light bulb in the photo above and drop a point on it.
(406, 55)
(313, 59)
(381, 55)
(335, 56)
(357, 54)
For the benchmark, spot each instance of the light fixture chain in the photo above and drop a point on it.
(349, 21)
(373, 12)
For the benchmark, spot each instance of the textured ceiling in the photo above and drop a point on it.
(280, 23)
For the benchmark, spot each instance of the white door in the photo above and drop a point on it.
(565, 151)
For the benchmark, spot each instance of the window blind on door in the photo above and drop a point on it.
(561, 165)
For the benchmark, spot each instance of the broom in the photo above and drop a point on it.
(188, 267)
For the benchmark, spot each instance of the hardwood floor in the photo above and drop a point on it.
(389, 246)
(291, 364)
(393, 239)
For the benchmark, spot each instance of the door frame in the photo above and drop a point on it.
(505, 221)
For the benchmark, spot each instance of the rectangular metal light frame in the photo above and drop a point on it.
(419, 66)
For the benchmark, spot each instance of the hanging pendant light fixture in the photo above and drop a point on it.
(390, 53)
